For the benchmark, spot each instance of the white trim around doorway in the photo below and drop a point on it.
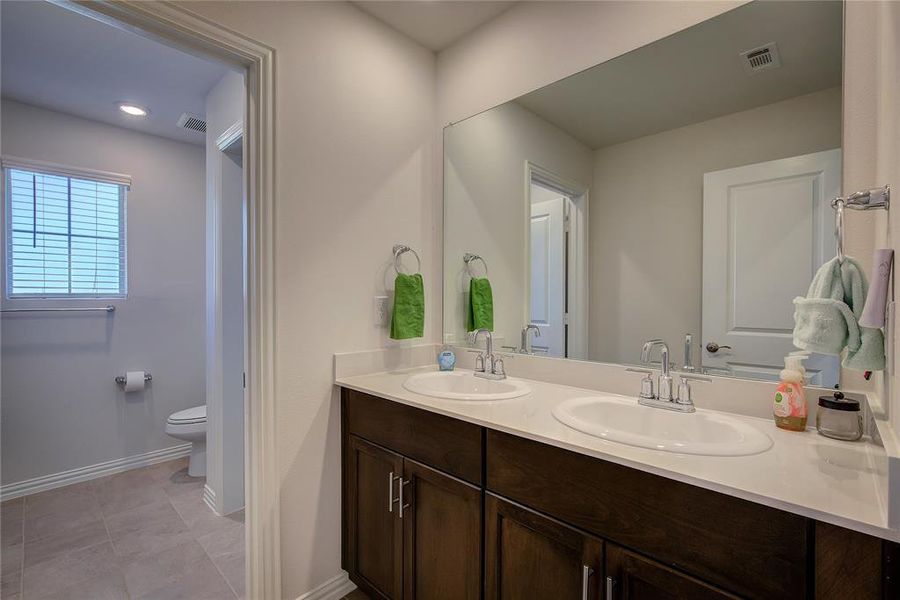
(178, 27)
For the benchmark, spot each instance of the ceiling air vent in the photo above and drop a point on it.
(192, 122)
(762, 58)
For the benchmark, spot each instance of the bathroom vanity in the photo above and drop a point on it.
(676, 197)
(497, 499)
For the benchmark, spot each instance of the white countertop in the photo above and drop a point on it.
(803, 473)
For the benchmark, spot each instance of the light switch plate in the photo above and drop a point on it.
(381, 310)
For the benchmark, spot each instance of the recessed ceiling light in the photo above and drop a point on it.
(133, 109)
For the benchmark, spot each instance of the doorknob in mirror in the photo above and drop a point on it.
(713, 347)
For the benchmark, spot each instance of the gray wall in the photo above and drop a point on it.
(60, 407)
(647, 207)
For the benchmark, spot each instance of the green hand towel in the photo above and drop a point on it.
(481, 304)
(408, 317)
(826, 321)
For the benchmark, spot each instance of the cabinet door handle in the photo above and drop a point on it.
(610, 585)
(586, 573)
(402, 506)
(391, 500)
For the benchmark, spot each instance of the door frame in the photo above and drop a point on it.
(180, 28)
(577, 276)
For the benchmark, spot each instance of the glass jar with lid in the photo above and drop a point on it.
(839, 417)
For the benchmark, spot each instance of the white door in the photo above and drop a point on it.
(548, 275)
(767, 228)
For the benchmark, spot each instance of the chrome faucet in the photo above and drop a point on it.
(664, 384)
(487, 364)
(683, 401)
(688, 366)
(525, 347)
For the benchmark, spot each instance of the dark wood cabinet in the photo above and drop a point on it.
(411, 531)
(630, 576)
(442, 536)
(492, 515)
(374, 552)
(749, 549)
(528, 555)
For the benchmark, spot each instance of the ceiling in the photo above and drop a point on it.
(434, 24)
(61, 60)
(697, 74)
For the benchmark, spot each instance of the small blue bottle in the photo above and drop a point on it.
(446, 359)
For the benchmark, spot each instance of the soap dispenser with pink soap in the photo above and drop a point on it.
(790, 399)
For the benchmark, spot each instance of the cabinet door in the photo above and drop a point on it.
(374, 533)
(535, 557)
(442, 536)
(633, 577)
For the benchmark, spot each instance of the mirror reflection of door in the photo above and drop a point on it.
(548, 269)
(767, 229)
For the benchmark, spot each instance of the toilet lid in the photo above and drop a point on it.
(196, 414)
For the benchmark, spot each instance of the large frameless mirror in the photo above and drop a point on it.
(678, 192)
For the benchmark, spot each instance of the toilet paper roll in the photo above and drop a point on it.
(134, 381)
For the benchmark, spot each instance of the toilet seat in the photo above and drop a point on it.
(189, 416)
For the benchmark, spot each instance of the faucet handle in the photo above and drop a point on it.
(499, 369)
(479, 360)
(646, 383)
(684, 387)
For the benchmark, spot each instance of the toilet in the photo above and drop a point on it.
(190, 425)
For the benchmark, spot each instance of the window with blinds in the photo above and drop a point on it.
(65, 236)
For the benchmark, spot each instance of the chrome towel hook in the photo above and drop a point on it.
(399, 250)
(469, 258)
(862, 200)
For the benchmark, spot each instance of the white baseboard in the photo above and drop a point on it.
(334, 589)
(209, 496)
(49, 482)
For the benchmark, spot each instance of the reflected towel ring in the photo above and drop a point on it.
(468, 258)
(399, 249)
(838, 205)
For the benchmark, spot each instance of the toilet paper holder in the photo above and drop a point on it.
(121, 379)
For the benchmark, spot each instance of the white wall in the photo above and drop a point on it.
(354, 165)
(486, 212)
(646, 216)
(61, 408)
(224, 299)
(872, 141)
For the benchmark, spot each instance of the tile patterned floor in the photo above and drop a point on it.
(143, 534)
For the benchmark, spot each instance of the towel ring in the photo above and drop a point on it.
(399, 249)
(862, 200)
(468, 258)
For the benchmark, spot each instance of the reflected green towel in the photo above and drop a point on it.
(481, 304)
(408, 317)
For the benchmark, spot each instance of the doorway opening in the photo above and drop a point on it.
(174, 30)
(557, 273)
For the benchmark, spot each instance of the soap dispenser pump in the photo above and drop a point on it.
(790, 399)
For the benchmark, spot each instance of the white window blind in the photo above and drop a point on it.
(65, 236)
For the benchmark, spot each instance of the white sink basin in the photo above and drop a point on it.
(625, 421)
(463, 385)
